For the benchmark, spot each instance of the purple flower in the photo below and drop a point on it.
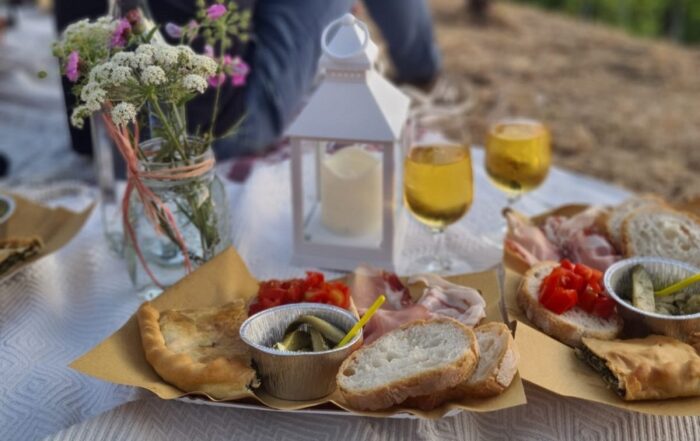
(214, 12)
(121, 31)
(173, 30)
(217, 80)
(72, 72)
(239, 72)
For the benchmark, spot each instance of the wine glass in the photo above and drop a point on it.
(438, 182)
(518, 156)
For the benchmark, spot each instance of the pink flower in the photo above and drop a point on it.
(209, 51)
(72, 72)
(215, 12)
(239, 72)
(121, 31)
(173, 30)
(217, 80)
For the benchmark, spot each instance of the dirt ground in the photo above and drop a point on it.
(624, 109)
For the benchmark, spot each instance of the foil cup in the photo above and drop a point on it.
(296, 376)
(663, 272)
(6, 214)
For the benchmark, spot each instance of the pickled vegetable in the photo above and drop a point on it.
(642, 289)
(309, 333)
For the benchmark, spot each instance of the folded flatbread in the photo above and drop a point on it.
(199, 350)
(14, 251)
(655, 367)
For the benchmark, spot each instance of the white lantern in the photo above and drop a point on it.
(346, 146)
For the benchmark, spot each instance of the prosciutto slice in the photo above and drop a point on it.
(368, 283)
(576, 238)
(384, 320)
(528, 241)
(441, 297)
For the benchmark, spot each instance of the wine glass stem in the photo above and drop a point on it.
(440, 247)
(513, 199)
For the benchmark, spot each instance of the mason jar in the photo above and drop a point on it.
(197, 219)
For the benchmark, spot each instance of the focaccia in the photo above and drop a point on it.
(655, 367)
(17, 250)
(199, 350)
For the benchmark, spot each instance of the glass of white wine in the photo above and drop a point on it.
(438, 181)
(518, 156)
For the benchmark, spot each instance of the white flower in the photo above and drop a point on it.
(153, 75)
(185, 54)
(194, 83)
(93, 96)
(147, 49)
(204, 65)
(165, 55)
(123, 113)
(120, 75)
(141, 61)
(123, 58)
(102, 72)
(77, 118)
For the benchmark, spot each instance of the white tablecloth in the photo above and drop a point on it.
(60, 307)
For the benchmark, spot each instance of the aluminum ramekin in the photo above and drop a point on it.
(663, 272)
(297, 376)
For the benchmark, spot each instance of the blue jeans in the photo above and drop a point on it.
(287, 49)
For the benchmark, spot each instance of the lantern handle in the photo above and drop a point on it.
(347, 19)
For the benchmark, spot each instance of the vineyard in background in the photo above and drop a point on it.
(675, 19)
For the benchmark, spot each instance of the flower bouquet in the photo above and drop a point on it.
(174, 209)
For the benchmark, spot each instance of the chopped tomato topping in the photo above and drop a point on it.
(572, 285)
(313, 288)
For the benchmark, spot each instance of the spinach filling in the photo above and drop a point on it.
(599, 365)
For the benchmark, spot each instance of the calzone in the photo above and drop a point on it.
(655, 367)
(198, 350)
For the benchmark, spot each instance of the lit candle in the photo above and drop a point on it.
(351, 192)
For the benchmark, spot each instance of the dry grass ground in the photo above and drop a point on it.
(624, 109)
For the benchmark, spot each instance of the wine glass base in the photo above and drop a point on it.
(446, 265)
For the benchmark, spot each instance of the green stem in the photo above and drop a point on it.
(215, 109)
(168, 129)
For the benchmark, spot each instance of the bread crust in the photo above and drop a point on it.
(221, 378)
(613, 228)
(551, 323)
(426, 382)
(498, 380)
(628, 239)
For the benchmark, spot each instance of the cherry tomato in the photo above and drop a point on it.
(314, 279)
(561, 300)
(566, 264)
(579, 284)
(604, 306)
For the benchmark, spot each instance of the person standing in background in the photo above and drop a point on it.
(283, 56)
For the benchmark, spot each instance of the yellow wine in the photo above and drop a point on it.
(438, 183)
(518, 155)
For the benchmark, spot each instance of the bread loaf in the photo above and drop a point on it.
(498, 364)
(416, 359)
(617, 215)
(662, 233)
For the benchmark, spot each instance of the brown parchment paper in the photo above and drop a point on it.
(554, 366)
(119, 359)
(55, 226)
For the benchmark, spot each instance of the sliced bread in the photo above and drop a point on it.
(415, 359)
(663, 233)
(616, 216)
(498, 363)
(568, 327)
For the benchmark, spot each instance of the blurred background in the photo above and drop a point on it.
(616, 81)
